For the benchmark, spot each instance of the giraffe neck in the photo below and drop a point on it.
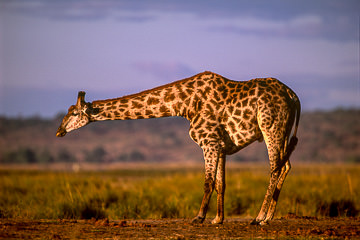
(165, 101)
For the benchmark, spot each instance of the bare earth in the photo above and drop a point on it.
(290, 226)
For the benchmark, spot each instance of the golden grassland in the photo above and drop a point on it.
(149, 191)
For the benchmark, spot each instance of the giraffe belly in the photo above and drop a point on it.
(241, 136)
(244, 138)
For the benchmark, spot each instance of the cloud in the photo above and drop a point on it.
(336, 20)
(135, 18)
(70, 10)
(126, 46)
(31, 101)
(318, 91)
(302, 26)
(166, 71)
(349, 96)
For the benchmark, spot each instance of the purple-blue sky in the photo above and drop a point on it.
(49, 50)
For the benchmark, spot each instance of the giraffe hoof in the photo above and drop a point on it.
(254, 222)
(198, 219)
(217, 221)
(264, 222)
(259, 222)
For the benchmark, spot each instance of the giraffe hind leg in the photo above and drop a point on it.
(288, 149)
(220, 190)
(275, 142)
(279, 154)
(260, 219)
(271, 211)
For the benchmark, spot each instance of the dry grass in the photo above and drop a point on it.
(144, 191)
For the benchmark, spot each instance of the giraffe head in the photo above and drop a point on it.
(77, 116)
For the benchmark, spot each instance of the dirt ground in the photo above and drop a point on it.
(288, 227)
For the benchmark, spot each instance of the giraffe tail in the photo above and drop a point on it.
(293, 140)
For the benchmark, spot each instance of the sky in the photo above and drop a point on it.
(50, 50)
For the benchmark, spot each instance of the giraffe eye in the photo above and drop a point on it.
(74, 113)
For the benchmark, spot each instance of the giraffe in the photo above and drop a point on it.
(225, 116)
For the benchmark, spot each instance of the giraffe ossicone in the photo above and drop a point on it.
(225, 116)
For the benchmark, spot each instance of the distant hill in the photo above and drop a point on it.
(324, 136)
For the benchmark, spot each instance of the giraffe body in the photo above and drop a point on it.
(225, 116)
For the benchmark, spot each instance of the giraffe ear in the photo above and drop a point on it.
(81, 98)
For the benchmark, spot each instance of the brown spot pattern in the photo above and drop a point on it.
(225, 116)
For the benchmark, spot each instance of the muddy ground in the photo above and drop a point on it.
(288, 227)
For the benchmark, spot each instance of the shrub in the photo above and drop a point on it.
(342, 208)
(22, 155)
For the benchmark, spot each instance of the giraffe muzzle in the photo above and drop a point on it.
(61, 132)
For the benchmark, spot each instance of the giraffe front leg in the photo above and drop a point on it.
(211, 162)
(208, 189)
(220, 189)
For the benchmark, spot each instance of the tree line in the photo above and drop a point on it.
(324, 136)
(97, 155)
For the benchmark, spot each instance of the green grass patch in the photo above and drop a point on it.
(309, 190)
